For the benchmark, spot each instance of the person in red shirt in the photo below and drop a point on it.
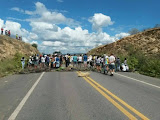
(9, 33)
(1, 31)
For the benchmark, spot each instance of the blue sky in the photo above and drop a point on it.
(77, 24)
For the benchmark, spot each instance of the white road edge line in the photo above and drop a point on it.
(21, 104)
(139, 81)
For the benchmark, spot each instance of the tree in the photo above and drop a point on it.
(133, 31)
(57, 52)
(157, 26)
(35, 45)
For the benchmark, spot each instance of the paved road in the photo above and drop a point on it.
(65, 96)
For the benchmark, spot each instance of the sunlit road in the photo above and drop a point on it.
(65, 96)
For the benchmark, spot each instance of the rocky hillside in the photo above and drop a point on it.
(148, 42)
(9, 47)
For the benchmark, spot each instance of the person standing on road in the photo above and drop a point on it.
(69, 59)
(118, 62)
(43, 61)
(80, 61)
(74, 60)
(106, 64)
(1, 31)
(111, 64)
(66, 60)
(61, 60)
(23, 62)
(30, 62)
(47, 60)
(85, 60)
(98, 64)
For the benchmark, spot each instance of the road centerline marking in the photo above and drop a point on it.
(120, 100)
(21, 104)
(129, 115)
(139, 81)
(97, 86)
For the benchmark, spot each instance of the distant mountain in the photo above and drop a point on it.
(148, 42)
(9, 47)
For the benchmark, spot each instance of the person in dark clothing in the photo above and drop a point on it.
(47, 60)
(6, 32)
(67, 60)
(118, 62)
(61, 60)
(9, 33)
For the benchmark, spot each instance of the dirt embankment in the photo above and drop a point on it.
(148, 42)
(9, 47)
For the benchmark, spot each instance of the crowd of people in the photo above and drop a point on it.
(102, 63)
(51, 61)
(7, 32)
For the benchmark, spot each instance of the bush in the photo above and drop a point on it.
(136, 60)
(35, 45)
(10, 66)
(133, 63)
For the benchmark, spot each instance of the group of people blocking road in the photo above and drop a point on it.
(102, 63)
(51, 61)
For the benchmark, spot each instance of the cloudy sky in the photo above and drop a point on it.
(76, 26)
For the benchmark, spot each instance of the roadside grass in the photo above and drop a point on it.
(138, 62)
(11, 66)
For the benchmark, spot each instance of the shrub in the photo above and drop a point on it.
(136, 60)
(12, 65)
(35, 45)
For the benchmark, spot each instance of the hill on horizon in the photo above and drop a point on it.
(9, 47)
(148, 42)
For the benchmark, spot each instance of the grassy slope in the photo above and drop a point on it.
(12, 51)
(11, 66)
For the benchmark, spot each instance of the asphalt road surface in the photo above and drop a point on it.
(65, 96)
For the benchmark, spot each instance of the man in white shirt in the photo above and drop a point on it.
(43, 60)
(111, 64)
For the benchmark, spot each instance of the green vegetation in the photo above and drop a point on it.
(137, 61)
(35, 45)
(57, 52)
(11, 66)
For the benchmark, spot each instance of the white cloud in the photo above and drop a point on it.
(121, 35)
(34, 42)
(1, 23)
(42, 26)
(42, 14)
(74, 40)
(46, 32)
(99, 21)
(16, 28)
(17, 9)
(50, 43)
